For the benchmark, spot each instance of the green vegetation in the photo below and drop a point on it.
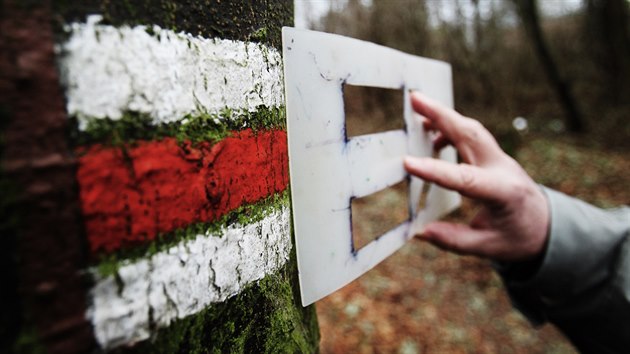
(238, 20)
(266, 317)
(108, 264)
(28, 342)
(259, 35)
(208, 127)
(596, 175)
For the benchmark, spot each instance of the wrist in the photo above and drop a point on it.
(525, 269)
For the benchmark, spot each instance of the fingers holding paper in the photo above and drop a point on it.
(512, 223)
(473, 142)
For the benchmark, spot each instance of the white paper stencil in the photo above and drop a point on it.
(327, 169)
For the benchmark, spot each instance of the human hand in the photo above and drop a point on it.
(513, 220)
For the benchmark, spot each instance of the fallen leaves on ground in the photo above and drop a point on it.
(424, 300)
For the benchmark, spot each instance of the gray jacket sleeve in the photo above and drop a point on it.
(582, 281)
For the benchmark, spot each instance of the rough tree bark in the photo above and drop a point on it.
(144, 203)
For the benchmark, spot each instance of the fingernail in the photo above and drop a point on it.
(420, 232)
(407, 161)
(413, 161)
(417, 93)
(411, 165)
(424, 237)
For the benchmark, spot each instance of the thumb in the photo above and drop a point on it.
(458, 238)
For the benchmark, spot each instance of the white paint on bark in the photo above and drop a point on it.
(167, 75)
(186, 278)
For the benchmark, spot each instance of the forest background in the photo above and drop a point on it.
(564, 74)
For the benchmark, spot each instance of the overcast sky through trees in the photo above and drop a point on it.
(310, 10)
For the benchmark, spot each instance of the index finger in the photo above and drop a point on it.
(474, 143)
(470, 181)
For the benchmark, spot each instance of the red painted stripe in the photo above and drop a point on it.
(131, 194)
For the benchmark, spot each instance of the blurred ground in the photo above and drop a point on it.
(423, 300)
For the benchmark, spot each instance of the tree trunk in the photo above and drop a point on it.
(144, 175)
(528, 12)
(608, 29)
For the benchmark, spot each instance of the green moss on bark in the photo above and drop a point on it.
(238, 20)
(28, 342)
(196, 128)
(247, 214)
(266, 317)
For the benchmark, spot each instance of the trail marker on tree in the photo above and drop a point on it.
(328, 169)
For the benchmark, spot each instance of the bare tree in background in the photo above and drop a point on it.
(472, 50)
(401, 24)
(608, 31)
(528, 13)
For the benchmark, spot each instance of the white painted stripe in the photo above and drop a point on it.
(109, 70)
(187, 278)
